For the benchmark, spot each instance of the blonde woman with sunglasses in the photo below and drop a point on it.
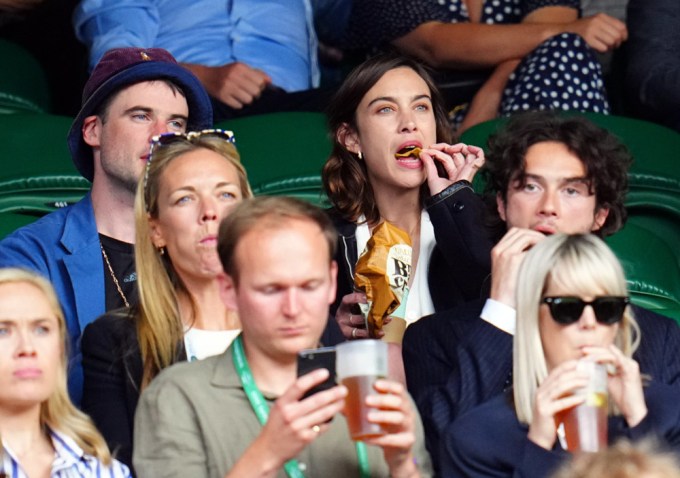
(572, 305)
(42, 433)
(191, 182)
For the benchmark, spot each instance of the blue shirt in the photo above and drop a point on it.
(275, 36)
(69, 462)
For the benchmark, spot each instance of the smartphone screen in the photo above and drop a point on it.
(312, 359)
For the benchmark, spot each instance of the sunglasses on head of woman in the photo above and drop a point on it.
(166, 139)
(567, 310)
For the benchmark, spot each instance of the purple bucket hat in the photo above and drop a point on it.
(122, 67)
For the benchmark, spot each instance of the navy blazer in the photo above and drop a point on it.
(454, 361)
(489, 441)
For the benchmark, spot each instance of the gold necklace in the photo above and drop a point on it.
(113, 275)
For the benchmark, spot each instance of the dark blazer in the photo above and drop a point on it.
(453, 212)
(112, 365)
(490, 442)
(454, 361)
(652, 72)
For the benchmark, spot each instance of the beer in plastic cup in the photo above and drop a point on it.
(585, 426)
(358, 365)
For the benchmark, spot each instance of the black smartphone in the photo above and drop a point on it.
(312, 359)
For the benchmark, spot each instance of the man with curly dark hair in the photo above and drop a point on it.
(545, 173)
(604, 158)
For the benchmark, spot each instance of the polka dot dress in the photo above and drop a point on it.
(560, 73)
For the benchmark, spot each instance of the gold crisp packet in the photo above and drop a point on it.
(382, 273)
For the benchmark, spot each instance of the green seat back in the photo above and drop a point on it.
(650, 266)
(37, 174)
(10, 221)
(23, 84)
(283, 153)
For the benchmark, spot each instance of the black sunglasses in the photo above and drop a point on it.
(567, 310)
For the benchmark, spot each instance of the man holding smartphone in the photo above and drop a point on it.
(243, 413)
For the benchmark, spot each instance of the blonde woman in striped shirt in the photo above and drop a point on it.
(42, 432)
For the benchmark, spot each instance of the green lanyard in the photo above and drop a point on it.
(261, 410)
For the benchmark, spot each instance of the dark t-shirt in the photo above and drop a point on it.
(121, 257)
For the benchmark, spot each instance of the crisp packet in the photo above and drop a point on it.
(382, 273)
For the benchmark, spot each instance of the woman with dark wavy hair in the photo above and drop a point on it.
(391, 161)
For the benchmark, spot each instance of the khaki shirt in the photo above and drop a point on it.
(195, 420)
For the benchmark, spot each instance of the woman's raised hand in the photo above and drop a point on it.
(459, 161)
(555, 395)
(624, 382)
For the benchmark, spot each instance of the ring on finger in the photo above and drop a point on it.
(354, 333)
(316, 428)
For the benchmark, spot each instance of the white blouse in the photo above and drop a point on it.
(201, 343)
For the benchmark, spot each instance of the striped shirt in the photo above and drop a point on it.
(69, 462)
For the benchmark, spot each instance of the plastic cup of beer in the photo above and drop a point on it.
(585, 426)
(358, 364)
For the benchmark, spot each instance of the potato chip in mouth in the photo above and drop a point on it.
(408, 151)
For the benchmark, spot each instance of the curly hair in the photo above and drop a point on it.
(345, 178)
(605, 158)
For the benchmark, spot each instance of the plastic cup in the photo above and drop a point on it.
(585, 426)
(358, 364)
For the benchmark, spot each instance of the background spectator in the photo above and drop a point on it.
(653, 71)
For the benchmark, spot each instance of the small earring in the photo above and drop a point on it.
(161, 250)
(360, 155)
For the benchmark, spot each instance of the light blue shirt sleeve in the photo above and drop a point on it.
(106, 24)
(275, 36)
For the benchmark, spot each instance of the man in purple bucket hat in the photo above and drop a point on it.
(86, 250)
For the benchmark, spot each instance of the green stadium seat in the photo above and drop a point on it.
(37, 174)
(23, 84)
(651, 268)
(10, 221)
(283, 152)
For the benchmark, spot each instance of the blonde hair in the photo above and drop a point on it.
(58, 412)
(159, 325)
(582, 264)
(623, 460)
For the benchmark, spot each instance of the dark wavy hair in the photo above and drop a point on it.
(605, 158)
(345, 178)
